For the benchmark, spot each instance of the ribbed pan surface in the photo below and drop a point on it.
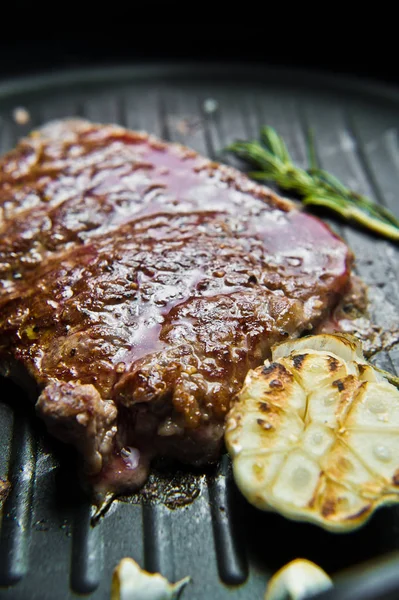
(48, 550)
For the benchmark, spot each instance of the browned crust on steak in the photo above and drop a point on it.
(140, 282)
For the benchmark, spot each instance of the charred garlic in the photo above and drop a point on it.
(314, 434)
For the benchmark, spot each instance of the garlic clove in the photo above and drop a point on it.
(297, 580)
(131, 582)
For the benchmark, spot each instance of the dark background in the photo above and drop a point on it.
(334, 51)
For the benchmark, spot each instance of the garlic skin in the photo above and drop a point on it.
(314, 434)
(130, 582)
(297, 580)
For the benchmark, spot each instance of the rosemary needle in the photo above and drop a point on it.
(317, 187)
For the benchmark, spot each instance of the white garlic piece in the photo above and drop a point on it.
(297, 580)
(131, 582)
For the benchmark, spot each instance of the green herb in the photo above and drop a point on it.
(317, 187)
(391, 378)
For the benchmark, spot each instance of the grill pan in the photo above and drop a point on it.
(191, 522)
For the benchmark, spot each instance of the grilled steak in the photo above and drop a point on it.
(140, 282)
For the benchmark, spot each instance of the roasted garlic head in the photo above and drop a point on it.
(314, 434)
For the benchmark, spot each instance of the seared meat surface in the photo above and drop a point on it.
(140, 282)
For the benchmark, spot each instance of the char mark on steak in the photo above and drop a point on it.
(140, 282)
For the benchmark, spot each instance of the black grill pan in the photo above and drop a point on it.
(189, 522)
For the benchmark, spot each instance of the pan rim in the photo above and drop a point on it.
(144, 71)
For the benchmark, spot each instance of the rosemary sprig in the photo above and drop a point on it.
(391, 378)
(272, 161)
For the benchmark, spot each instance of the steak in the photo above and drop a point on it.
(139, 284)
